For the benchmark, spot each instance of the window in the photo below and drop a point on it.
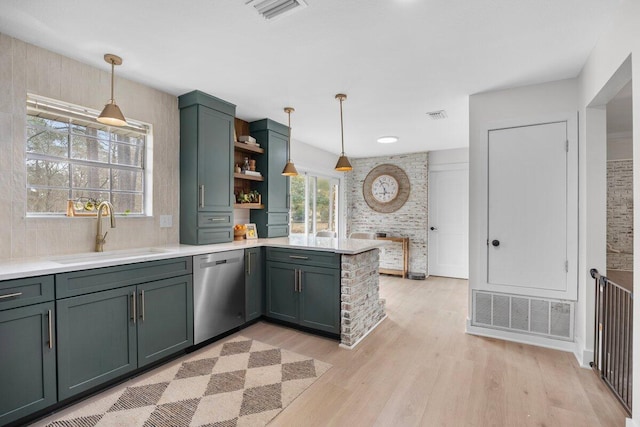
(314, 204)
(70, 156)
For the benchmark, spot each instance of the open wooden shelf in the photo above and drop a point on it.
(248, 206)
(247, 148)
(248, 177)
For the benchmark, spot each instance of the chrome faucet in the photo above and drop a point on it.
(100, 239)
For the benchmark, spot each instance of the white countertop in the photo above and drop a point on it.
(28, 267)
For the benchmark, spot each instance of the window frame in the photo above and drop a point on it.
(65, 112)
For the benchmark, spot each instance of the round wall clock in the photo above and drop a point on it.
(386, 188)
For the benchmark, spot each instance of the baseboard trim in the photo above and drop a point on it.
(352, 346)
(568, 346)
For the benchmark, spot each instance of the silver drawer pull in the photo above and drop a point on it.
(17, 294)
(142, 305)
(217, 219)
(298, 257)
(50, 330)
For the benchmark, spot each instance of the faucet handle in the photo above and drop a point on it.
(104, 238)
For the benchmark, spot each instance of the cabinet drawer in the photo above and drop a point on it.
(21, 292)
(317, 258)
(100, 279)
(215, 219)
(277, 218)
(208, 236)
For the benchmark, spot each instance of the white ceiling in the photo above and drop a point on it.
(395, 59)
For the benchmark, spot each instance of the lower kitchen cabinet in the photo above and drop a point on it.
(254, 285)
(96, 339)
(305, 295)
(27, 361)
(104, 335)
(165, 319)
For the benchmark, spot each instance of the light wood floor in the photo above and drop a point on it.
(419, 368)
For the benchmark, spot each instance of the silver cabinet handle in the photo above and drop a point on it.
(298, 257)
(17, 294)
(248, 260)
(299, 280)
(217, 218)
(202, 196)
(133, 307)
(50, 330)
(295, 280)
(142, 304)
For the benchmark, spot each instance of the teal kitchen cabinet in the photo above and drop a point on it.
(105, 333)
(254, 283)
(206, 169)
(303, 288)
(27, 359)
(165, 319)
(273, 220)
(96, 339)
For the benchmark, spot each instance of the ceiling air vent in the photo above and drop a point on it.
(270, 9)
(437, 115)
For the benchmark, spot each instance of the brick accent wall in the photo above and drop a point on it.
(360, 305)
(408, 221)
(620, 214)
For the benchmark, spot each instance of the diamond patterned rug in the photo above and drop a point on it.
(239, 382)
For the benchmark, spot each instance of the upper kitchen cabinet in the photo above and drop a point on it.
(206, 172)
(273, 220)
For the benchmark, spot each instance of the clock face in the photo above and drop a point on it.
(384, 188)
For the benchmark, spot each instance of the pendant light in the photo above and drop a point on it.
(289, 168)
(343, 164)
(111, 114)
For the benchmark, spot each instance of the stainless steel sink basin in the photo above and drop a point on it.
(108, 256)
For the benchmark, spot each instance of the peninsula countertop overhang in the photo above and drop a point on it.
(38, 266)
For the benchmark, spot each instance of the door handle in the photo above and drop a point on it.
(50, 329)
(299, 280)
(295, 280)
(495, 243)
(202, 196)
(247, 263)
(433, 228)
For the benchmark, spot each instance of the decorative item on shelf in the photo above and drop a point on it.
(252, 173)
(237, 169)
(239, 231)
(245, 165)
(289, 168)
(85, 206)
(248, 140)
(252, 231)
(343, 164)
(252, 165)
(250, 197)
(111, 114)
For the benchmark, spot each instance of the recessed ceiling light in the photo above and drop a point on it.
(387, 139)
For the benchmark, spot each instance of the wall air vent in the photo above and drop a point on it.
(271, 9)
(437, 115)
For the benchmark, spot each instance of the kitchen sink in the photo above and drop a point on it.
(108, 256)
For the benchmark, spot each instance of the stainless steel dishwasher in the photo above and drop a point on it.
(218, 293)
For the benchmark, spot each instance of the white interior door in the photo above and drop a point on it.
(449, 222)
(527, 228)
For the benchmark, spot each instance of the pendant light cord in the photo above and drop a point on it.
(112, 80)
(341, 127)
(289, 141)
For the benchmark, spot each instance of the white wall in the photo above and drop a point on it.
(446, 157)
(598, 82)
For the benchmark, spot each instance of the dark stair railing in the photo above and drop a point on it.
(613, 348)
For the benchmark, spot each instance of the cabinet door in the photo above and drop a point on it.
(320, 298)
(278, 200)
(253, 279)
(96, 339)
(282, 298)
(215, 160)
(165, 318)
(27, 363)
